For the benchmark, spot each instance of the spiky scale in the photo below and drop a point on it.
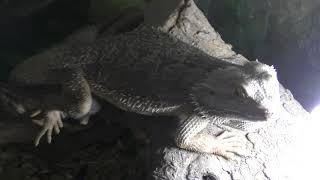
(148, 72)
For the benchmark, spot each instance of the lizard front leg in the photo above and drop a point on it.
(190, 137)
(52, 121)
(74, 101)
(95, 107)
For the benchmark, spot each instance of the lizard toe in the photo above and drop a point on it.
(51, 122)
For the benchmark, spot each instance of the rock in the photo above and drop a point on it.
(272, 147)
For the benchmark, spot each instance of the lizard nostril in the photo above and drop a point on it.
(268, 114)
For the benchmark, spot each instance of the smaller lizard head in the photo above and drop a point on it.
(244, 93)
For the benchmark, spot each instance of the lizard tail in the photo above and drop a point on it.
(9, 99)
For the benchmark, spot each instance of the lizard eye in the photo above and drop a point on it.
(241, 92)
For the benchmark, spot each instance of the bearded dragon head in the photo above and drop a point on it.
(244, 93)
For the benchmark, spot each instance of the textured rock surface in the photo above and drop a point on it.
(273, 153)
(272, 145)
(185, 21)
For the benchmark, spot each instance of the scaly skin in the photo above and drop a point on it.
(148, 72)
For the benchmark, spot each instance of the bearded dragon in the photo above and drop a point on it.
(149, 72)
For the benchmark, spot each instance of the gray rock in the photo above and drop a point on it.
(274, 147)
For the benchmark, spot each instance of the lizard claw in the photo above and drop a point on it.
(50, 122)
(228, 145)
(35, 113)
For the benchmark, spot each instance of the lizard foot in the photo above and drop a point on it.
(50, 121)
(226, 144)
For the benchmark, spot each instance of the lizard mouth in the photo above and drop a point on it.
(254, 116)
(259, 115)
(266, 115)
